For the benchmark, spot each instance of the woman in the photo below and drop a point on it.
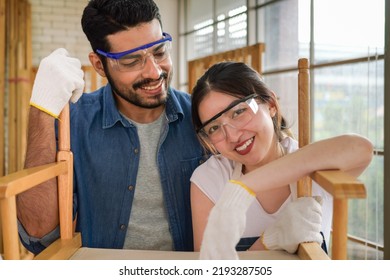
(238, 118)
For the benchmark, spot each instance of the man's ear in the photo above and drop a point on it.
(97, 63)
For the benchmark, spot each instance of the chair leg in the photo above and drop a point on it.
(340, 229)
(10, 231)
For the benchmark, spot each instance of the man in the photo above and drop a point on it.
(133, 142)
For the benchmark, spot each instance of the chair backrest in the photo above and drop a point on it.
(18, 182)
(304, 184)
(341, 185)
(251, 55)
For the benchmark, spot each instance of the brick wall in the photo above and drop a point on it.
(56, 23)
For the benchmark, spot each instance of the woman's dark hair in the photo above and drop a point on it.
(239, 80)
(105, 17)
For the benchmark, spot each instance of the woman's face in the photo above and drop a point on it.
(254, 144)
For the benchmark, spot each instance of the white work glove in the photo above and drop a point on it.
(226, 222)
(299, 222)
(58, 80)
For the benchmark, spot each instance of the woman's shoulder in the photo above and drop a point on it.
(215, 165)
(212, 175)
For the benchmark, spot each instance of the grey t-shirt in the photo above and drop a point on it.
(148, 227)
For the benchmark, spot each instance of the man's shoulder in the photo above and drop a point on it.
(178, 102)
(89, 104)
(93, 95)
(181, 96)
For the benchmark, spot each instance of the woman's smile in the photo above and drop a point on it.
(244, 148)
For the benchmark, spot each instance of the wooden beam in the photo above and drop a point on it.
(2, 94)
(23, 82)
(12, 22)
(339, 184)
(2, 83)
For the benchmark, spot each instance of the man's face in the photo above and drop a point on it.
(146, 87)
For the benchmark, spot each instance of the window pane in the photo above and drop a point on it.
(229, 7)
(349, 98)
(285, 87)
(348, 29)
(200, 12)
(200, 42)
(279, 28)
(232, 24)
(365, 218)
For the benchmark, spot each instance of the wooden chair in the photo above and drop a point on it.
(18, 182)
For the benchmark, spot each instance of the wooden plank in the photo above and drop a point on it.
(28, 37)
(339, 184)
(61, 249)
(2, 85)
(23, 180)
(304, 184)
(10, 233)
(340, 229)
(23, 82)
(12, 23)
(311, 251)
(65, 181)
(23, 99)
(3, 48)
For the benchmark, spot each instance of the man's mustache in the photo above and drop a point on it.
(142, 83)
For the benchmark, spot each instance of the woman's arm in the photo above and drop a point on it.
(350, 153)
(201, 206)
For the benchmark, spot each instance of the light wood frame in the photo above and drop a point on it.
(18, 182)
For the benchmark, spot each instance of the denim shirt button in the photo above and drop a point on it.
(122, 227)
(131, 188)
(135, 151)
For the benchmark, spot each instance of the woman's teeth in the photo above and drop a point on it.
(245, 145)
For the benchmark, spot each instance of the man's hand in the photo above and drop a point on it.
(58, 80)
(299, 222)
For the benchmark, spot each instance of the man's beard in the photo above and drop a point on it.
(131, 96)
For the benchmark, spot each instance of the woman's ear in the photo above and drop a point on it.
(97, 63)
(272, 105)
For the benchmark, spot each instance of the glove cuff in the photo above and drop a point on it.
(235, 195)
(44, 110)
(46, 102)
(262, 242)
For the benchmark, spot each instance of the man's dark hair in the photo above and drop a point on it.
(105, 17)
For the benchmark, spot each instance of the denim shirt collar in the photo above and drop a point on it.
(111, 115)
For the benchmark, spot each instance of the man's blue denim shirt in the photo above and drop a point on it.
(106, 156)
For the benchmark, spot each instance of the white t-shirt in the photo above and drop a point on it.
(212, 176)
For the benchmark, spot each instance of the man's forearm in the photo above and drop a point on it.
(38, 207)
